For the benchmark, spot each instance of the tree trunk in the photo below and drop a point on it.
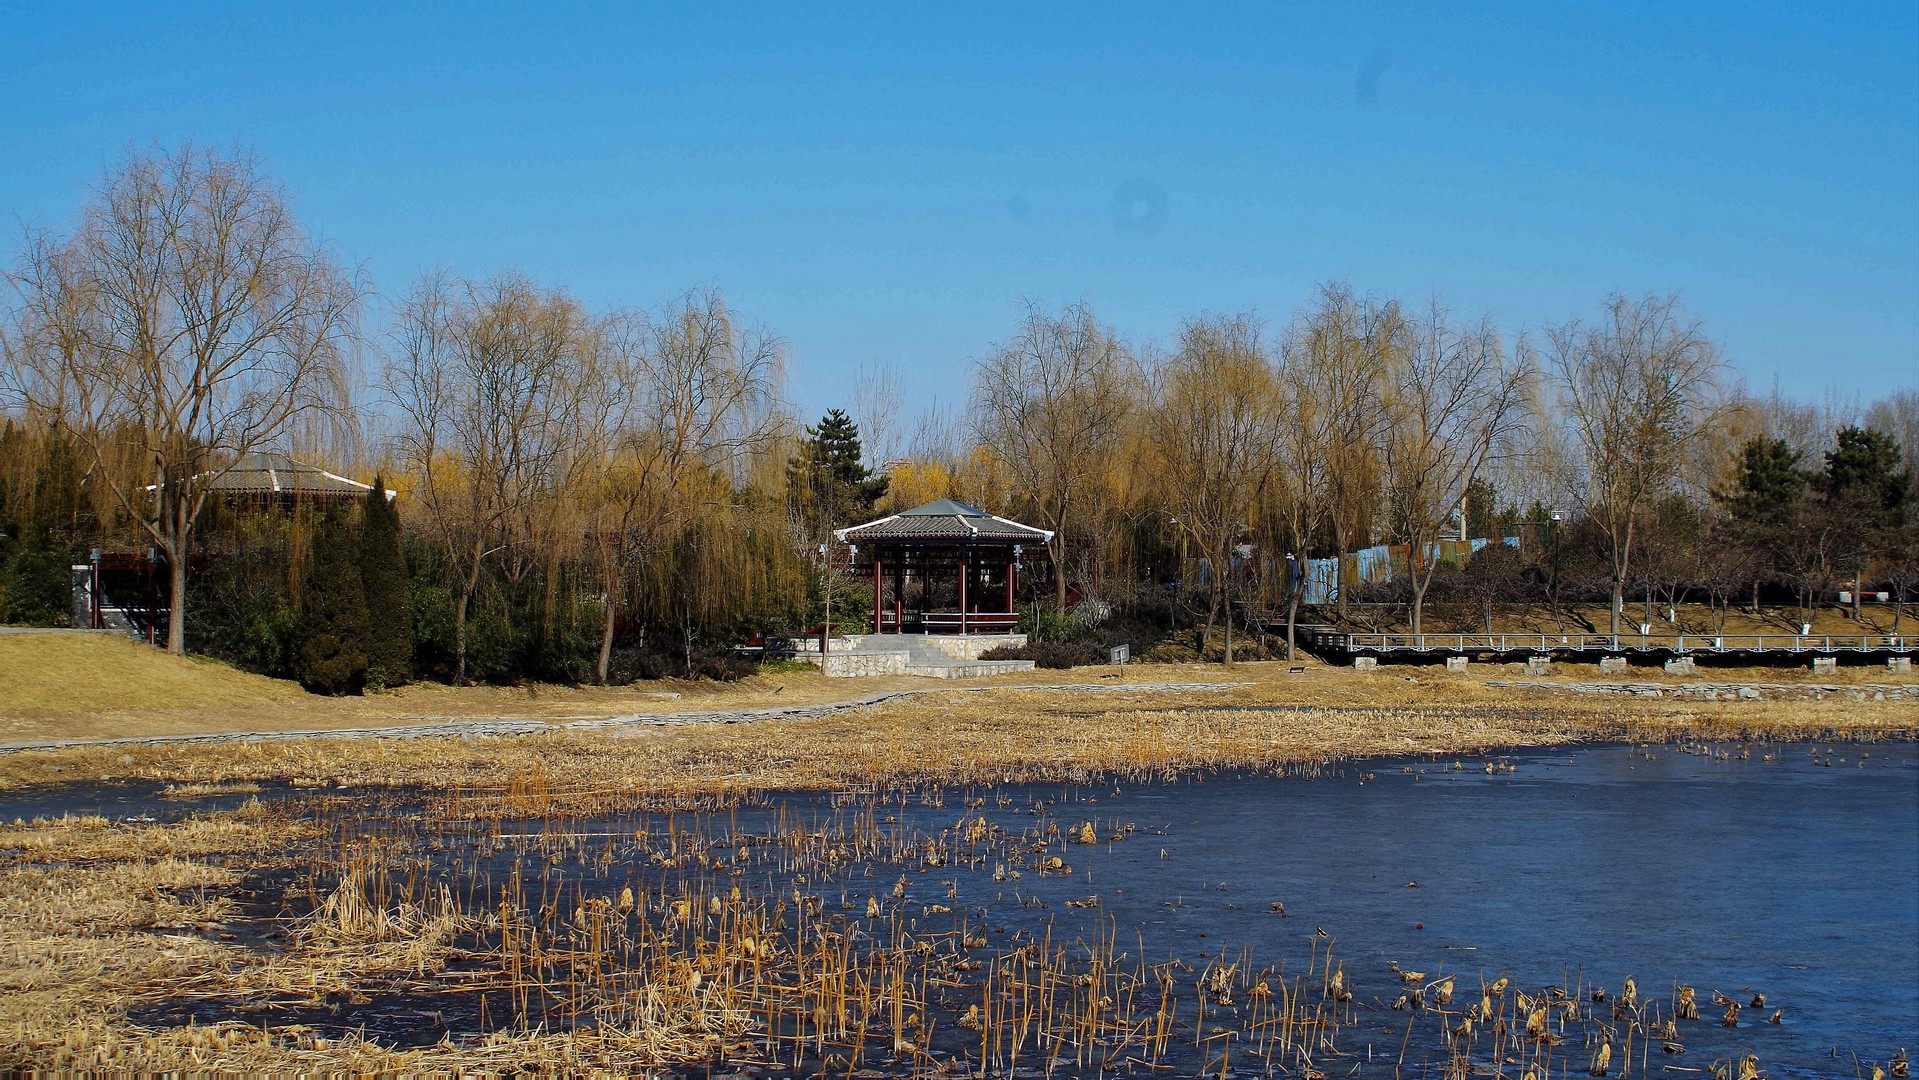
(1228, 607)
(468, 587)
(1618, 603)
(176, 602)
(175, 525)
(1856, 614)
(606, 641)
(1212, 616)
(1058, 547)
(459, 638)
(1292, 625)
(1339, 568)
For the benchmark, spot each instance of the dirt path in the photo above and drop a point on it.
(468, 727)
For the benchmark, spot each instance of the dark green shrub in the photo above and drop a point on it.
(1041, 624)
(383, 577)
(331, 655)
(430, 610)
(36, 585)
(566, 653)
(495, 646)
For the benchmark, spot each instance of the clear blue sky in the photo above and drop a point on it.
(878, 186)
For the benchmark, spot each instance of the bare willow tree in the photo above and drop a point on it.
(188, 321)
(690, 395)
(1457, 402)
(494, 383)
(1635, 390)
(1214, 430)
(1049, 405)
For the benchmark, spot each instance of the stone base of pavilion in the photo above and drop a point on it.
(933, 656)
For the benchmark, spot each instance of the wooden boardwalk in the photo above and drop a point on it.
(1325, 640)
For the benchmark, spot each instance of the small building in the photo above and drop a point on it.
(122, 590)
(944, 568)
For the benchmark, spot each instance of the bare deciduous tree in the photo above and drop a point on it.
(1049, 405)
(1636, 390)
(876, 409)
(494, 383)
(1456, 400)
(188, 321)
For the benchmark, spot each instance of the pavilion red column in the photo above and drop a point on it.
(877, 628)
(963, 574)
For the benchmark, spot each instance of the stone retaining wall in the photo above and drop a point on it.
(971, 646)
(855, 665)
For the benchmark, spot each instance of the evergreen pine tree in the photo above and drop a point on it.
(1866, 491)
(1770, 502)
(1770, 484)
(389, 642)
(1482, 509)
(826, 482)
(1866, 466)
(330, 650)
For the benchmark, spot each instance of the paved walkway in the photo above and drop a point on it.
(440, 727)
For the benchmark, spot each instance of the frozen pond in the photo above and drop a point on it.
(1784, 870)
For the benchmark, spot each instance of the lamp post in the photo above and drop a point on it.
(826, 590)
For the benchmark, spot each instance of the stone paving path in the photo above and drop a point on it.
(622, 724)
(1720, 691)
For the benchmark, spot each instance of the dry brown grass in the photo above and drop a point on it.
(953, 733)
(98, 686)
(87, 839)
(96, 918)
(91, 686)
(60, 675)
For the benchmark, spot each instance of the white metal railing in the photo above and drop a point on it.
(1674, 643)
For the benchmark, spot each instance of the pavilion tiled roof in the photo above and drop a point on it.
(273, 473)
(940, 521)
